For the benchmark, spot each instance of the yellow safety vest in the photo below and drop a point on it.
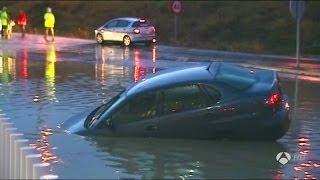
(48, 20)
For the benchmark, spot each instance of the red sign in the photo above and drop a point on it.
(176, 6)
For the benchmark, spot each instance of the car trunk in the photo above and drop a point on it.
(147, 30)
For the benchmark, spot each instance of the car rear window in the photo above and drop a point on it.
(237, 77)
(139, 24)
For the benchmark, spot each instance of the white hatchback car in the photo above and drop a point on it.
(126, 30)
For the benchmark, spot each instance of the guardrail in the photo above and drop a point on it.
(19, 160)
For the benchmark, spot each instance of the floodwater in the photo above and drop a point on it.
(39, 90)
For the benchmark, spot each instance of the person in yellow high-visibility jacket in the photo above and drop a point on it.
(49, 21)
(4, 21)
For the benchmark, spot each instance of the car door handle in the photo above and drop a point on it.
(151, 128)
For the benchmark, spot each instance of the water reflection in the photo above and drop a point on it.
(105, 55)
(44, 148)
(109, 53)
(23, 57)
(50, 73)
(7, 68)
(164, 158)
(110, 71)
(7, 73)
(144, 60)
(305, 167)
(305, 161)
(87, 82)
(141, 69)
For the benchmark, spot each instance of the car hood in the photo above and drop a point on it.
(76, 123)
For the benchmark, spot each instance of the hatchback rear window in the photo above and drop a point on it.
(234, 76)
(140, 24)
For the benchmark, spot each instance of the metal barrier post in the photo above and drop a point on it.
(12, 156)
(30, 161)
(18, 160)
(40, 169)
(3, 126)
(24, 151)
(7, 133)
(17, 145)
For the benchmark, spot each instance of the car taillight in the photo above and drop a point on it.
(142, 20)
(136, 31)
(154, 29)
(274, 99)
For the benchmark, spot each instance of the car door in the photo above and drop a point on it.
(137, 117)
(121, 29)
(183, 110)
(216, 118)
(225, 116)
(109, 30)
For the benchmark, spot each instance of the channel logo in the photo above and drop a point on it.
(283, 157)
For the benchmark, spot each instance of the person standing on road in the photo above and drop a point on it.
(49, 21)
(0, 25)
(4, 21)
(22, 22)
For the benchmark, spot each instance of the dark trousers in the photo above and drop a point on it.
(3, 31)
(23, 30)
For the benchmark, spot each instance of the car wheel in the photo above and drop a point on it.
(126, 41)
(99, 38)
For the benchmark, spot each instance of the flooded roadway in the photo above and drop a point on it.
(41, 88)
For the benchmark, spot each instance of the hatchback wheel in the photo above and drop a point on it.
(126, 41)
(99, 38)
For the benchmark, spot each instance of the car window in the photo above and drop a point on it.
(138, 108)
(123, 23)
(213, 93)
(95, 114)
(182, 98)
(138, 24)
(111, 24)
(234, 76)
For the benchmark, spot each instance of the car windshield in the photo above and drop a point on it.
(95, 114)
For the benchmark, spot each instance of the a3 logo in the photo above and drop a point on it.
(283, 157)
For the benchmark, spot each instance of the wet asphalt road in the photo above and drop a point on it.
(70, 76)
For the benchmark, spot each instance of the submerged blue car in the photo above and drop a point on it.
(212, 101)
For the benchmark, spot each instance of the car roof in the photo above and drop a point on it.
(132, 19)
(231, 75)
(171, 77)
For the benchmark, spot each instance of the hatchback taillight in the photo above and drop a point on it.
(154, 29)
(136, 31)
(274, 99)
(142, 20)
